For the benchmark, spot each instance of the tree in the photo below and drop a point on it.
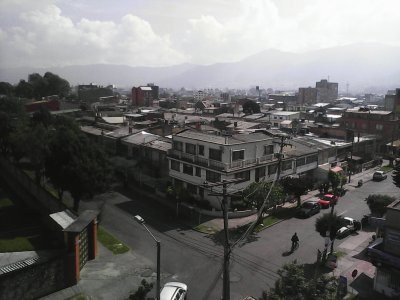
(296, 186)
(334, 179)
(396, 175)
(331, 223)
(6, 88)
(75, 164)
(56, 85)
(24, 89)
(142, 291)
(293, 284)
(255, 194)
(39, 85)
(377, 204)
(251, 107)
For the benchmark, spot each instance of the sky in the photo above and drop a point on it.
(50, 33)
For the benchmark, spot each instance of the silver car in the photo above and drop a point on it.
(379, 175)
(174, 291)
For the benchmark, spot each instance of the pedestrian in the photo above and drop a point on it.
(295, 241)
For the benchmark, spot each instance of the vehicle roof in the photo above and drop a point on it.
(170, 288)
(328, 195)
(380, 172)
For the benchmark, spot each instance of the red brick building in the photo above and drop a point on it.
(142, 96)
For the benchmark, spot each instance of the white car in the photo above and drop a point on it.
(174, 291)
(350, 225)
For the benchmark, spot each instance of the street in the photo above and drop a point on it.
(196, 259)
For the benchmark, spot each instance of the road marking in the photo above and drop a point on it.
(343, 212)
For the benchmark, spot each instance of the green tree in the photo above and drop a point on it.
(334, 179)
(251, 107)
(377, 204)
(56, 85)
(6, 89)
(296, 186)
(42, 116)
(24, 89)
(329, 223)
(142, 291)
(255, 194)
(75, 164)
(396, 175)
(39, 85)
(293, 284)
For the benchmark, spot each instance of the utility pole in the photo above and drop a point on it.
(227, 247)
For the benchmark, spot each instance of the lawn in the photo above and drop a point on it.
(266, 222)
(205, 229)
(110, 242)
(386, 169)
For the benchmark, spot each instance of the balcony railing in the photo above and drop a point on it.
(217, 165)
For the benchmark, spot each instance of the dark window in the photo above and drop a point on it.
(190, 148)
(260, 172)
(311, 159)
(238, 155)
(215, 154)
(213, 176)
(272, 169)
(245, 175)
(287, 165)
(201, 192)
(201, 150)
(198, 172)
(188, 169)
(192, 189)
(178, 146)
(269, 149)
(301, 161)
(175, 165)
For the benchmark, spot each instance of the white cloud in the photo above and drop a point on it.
(39, 33)
(46, 37)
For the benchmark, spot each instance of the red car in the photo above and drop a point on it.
(327, 200)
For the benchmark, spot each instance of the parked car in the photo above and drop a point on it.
(308, 208)
(350, 225)
(327, 200)
(379, 175)
(174, 291)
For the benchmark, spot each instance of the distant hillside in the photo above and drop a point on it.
(366, 67)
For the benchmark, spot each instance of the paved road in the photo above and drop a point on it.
(196, 259)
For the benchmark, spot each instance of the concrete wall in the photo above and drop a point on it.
(34, 281)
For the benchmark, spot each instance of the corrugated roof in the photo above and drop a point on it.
(63, 218)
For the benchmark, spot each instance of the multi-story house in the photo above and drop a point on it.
(283, 118)
(326, 91)
(142, 96)
(385, 254)
(196, 158)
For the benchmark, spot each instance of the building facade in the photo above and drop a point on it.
(142, 96)
(327, 91)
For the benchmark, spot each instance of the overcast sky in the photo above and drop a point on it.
(44, 33)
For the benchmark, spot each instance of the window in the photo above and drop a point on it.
(379, 127)
(215, 154)
(261, 171)
(188, 169)
(201, 192)
(286, 165)
(272, 169)
(268, 149)
(201, 150)
(192, 189)
(245, 175)
(175, 165)
(301, 161)
(178, 146)
(198, 172)
(213, 176)
(311, 159)
(237, 155)
(190, 148)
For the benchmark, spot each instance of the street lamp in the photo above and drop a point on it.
(140, 220)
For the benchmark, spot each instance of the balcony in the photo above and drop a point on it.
(217, 165)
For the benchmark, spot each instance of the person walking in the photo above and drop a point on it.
(295, 241)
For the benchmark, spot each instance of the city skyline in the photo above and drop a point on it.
(156, 33)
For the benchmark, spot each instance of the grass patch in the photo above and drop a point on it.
(79, 296)
(340, 254)
(5, 202)
(386, 169)
(268, 221)
(110, 242)
(205, 229)
(16, 244)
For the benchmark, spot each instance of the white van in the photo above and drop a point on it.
(174, 291)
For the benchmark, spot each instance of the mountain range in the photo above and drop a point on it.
(364, 67)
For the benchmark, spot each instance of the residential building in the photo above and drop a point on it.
(392, 102)
(308, 95)
(196, 158)
(283, 118)
(327, 91)
(385, 254)
(142, 96)
(199, 95)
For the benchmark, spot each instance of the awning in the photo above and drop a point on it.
(336, 169)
